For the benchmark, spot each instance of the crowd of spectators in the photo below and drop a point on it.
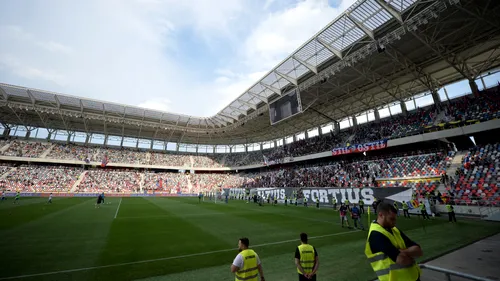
(108, 180)
(20, 148)
(29, 178)
(166, 182)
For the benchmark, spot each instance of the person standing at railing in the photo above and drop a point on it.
(451, 213)
(390, 252)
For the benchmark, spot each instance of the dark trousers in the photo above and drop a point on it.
(406, 214)
(303, 278)
(362, 209)
(451, 217)
(425, 215)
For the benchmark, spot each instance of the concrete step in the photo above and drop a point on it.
(78, 181)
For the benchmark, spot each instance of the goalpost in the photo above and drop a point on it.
(218, 197)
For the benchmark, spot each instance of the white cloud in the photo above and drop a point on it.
(272, 40)
(162, 104)
(136, 55)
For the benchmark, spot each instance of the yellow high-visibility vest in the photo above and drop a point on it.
(250, 271)
(306, 258)
(384, 267)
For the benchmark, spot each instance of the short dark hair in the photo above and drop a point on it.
(303, 237)
(386, 207)
(245, 241)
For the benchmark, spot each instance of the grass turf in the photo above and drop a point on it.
(180, 239)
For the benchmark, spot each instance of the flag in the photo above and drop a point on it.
(104, 161)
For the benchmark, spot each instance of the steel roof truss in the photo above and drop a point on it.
(232, 118)
(253, 106)
(271, 88)
(286, 77)
(390, 10)
(66, 127)
(238, 110)
(31, 97)
(306, 64)
(263, 99)
(4, 94)
(417, 72)
(220, 122)
(361, 26)
(330, 48)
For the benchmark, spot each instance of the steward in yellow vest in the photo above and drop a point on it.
(389, 251)
(306, 260)
(246, 266)
(405, 209)
(451, 213)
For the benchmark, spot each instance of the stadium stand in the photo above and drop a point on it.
(30, 178)
(120, 181)
(468, 109)
(478, 180)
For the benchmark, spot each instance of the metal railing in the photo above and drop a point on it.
(449, 273)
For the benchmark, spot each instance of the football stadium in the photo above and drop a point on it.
(391, 112)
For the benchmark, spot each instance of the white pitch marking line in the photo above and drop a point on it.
(118, 209)
(166, 258)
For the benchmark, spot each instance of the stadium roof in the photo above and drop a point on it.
(376, 52)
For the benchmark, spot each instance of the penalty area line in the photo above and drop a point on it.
(165, 258)
(118, 209)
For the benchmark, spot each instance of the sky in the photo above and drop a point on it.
(184, 56)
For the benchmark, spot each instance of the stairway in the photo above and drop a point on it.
(439, 118)
(190, 186)
(5, 147)
(47, 151)
(141, 183)
(456, 162)
(441, 188)
(7, 173)
(192, 161)
(78, 181)
(223, 160)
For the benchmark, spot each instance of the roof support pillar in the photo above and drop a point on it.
(404, 110)
(87, 139)
(377, 115)
(436, 98)
(473, 87)
(336, 127)
(6, 131)
(320, 133)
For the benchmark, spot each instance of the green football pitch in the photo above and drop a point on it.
(181, 239)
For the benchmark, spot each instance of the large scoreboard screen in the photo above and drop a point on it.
(286, 106)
